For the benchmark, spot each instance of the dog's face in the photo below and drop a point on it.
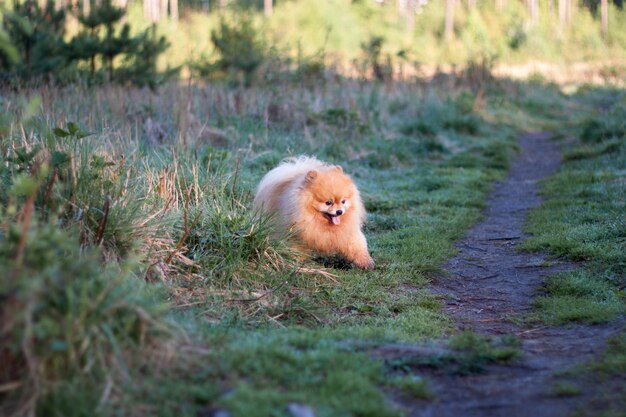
(331, 193)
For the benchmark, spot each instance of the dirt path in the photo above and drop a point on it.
(490, 281)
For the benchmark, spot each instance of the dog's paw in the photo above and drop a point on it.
(364, 263)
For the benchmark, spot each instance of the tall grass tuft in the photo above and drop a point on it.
(65, 315)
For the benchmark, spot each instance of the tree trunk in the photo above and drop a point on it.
(406, 11)
(151, 9)
(471, 4)
(500, 5)
(174, 10)
(604, 9)
(268, 7)
(86, 7)
(402, 8)
(449, 23)
(410, 16)
(562, 12)
(569, 12)
(533, 11)
(163, 9)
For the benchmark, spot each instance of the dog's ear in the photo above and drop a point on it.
(338, 168)
(310, 176)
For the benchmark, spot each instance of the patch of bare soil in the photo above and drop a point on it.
(488, 283)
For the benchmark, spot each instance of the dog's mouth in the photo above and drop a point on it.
(333, 218)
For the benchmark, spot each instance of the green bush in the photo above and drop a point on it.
(375, 61)
(80, 188)
(228, 238)
(36, 34)
(66, 316)
(240, 47)
(92, 54)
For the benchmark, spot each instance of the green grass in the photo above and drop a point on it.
(613, 362)
(160, 192)
(583, 219)
(580, 296)
(474, 352)
(467, 353)
(414, 386)
(606, 374)
(566, 389)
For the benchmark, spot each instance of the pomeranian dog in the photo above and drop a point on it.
(319, 205)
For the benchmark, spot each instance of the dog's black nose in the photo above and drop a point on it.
(339, 212)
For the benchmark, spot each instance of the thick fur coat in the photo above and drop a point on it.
(319, 204)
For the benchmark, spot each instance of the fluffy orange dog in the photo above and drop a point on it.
(319, 204)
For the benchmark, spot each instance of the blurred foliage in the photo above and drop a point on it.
(240, 47)
(45, 53)
(379, 64)
(344, 30)
(610, 125)
(67, 317)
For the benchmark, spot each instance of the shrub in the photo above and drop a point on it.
(372, 50)
(65, 316)
(241, 49)
(609, 125)
(39, 35)
(80, 188)
(36, 34)
(228, 238)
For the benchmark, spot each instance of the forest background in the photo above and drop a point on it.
(559, 39)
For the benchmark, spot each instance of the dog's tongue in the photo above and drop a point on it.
(336, 220)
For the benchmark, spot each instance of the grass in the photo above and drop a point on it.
(605, 373)
(466, 353)
(414, 386)
(566, 389)
(613, 362)
(583, 219)
(196, 308)
(474, 351)
(73, 322)
(579, 296)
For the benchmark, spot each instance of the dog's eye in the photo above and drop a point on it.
(329, 203)
(343, 201)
